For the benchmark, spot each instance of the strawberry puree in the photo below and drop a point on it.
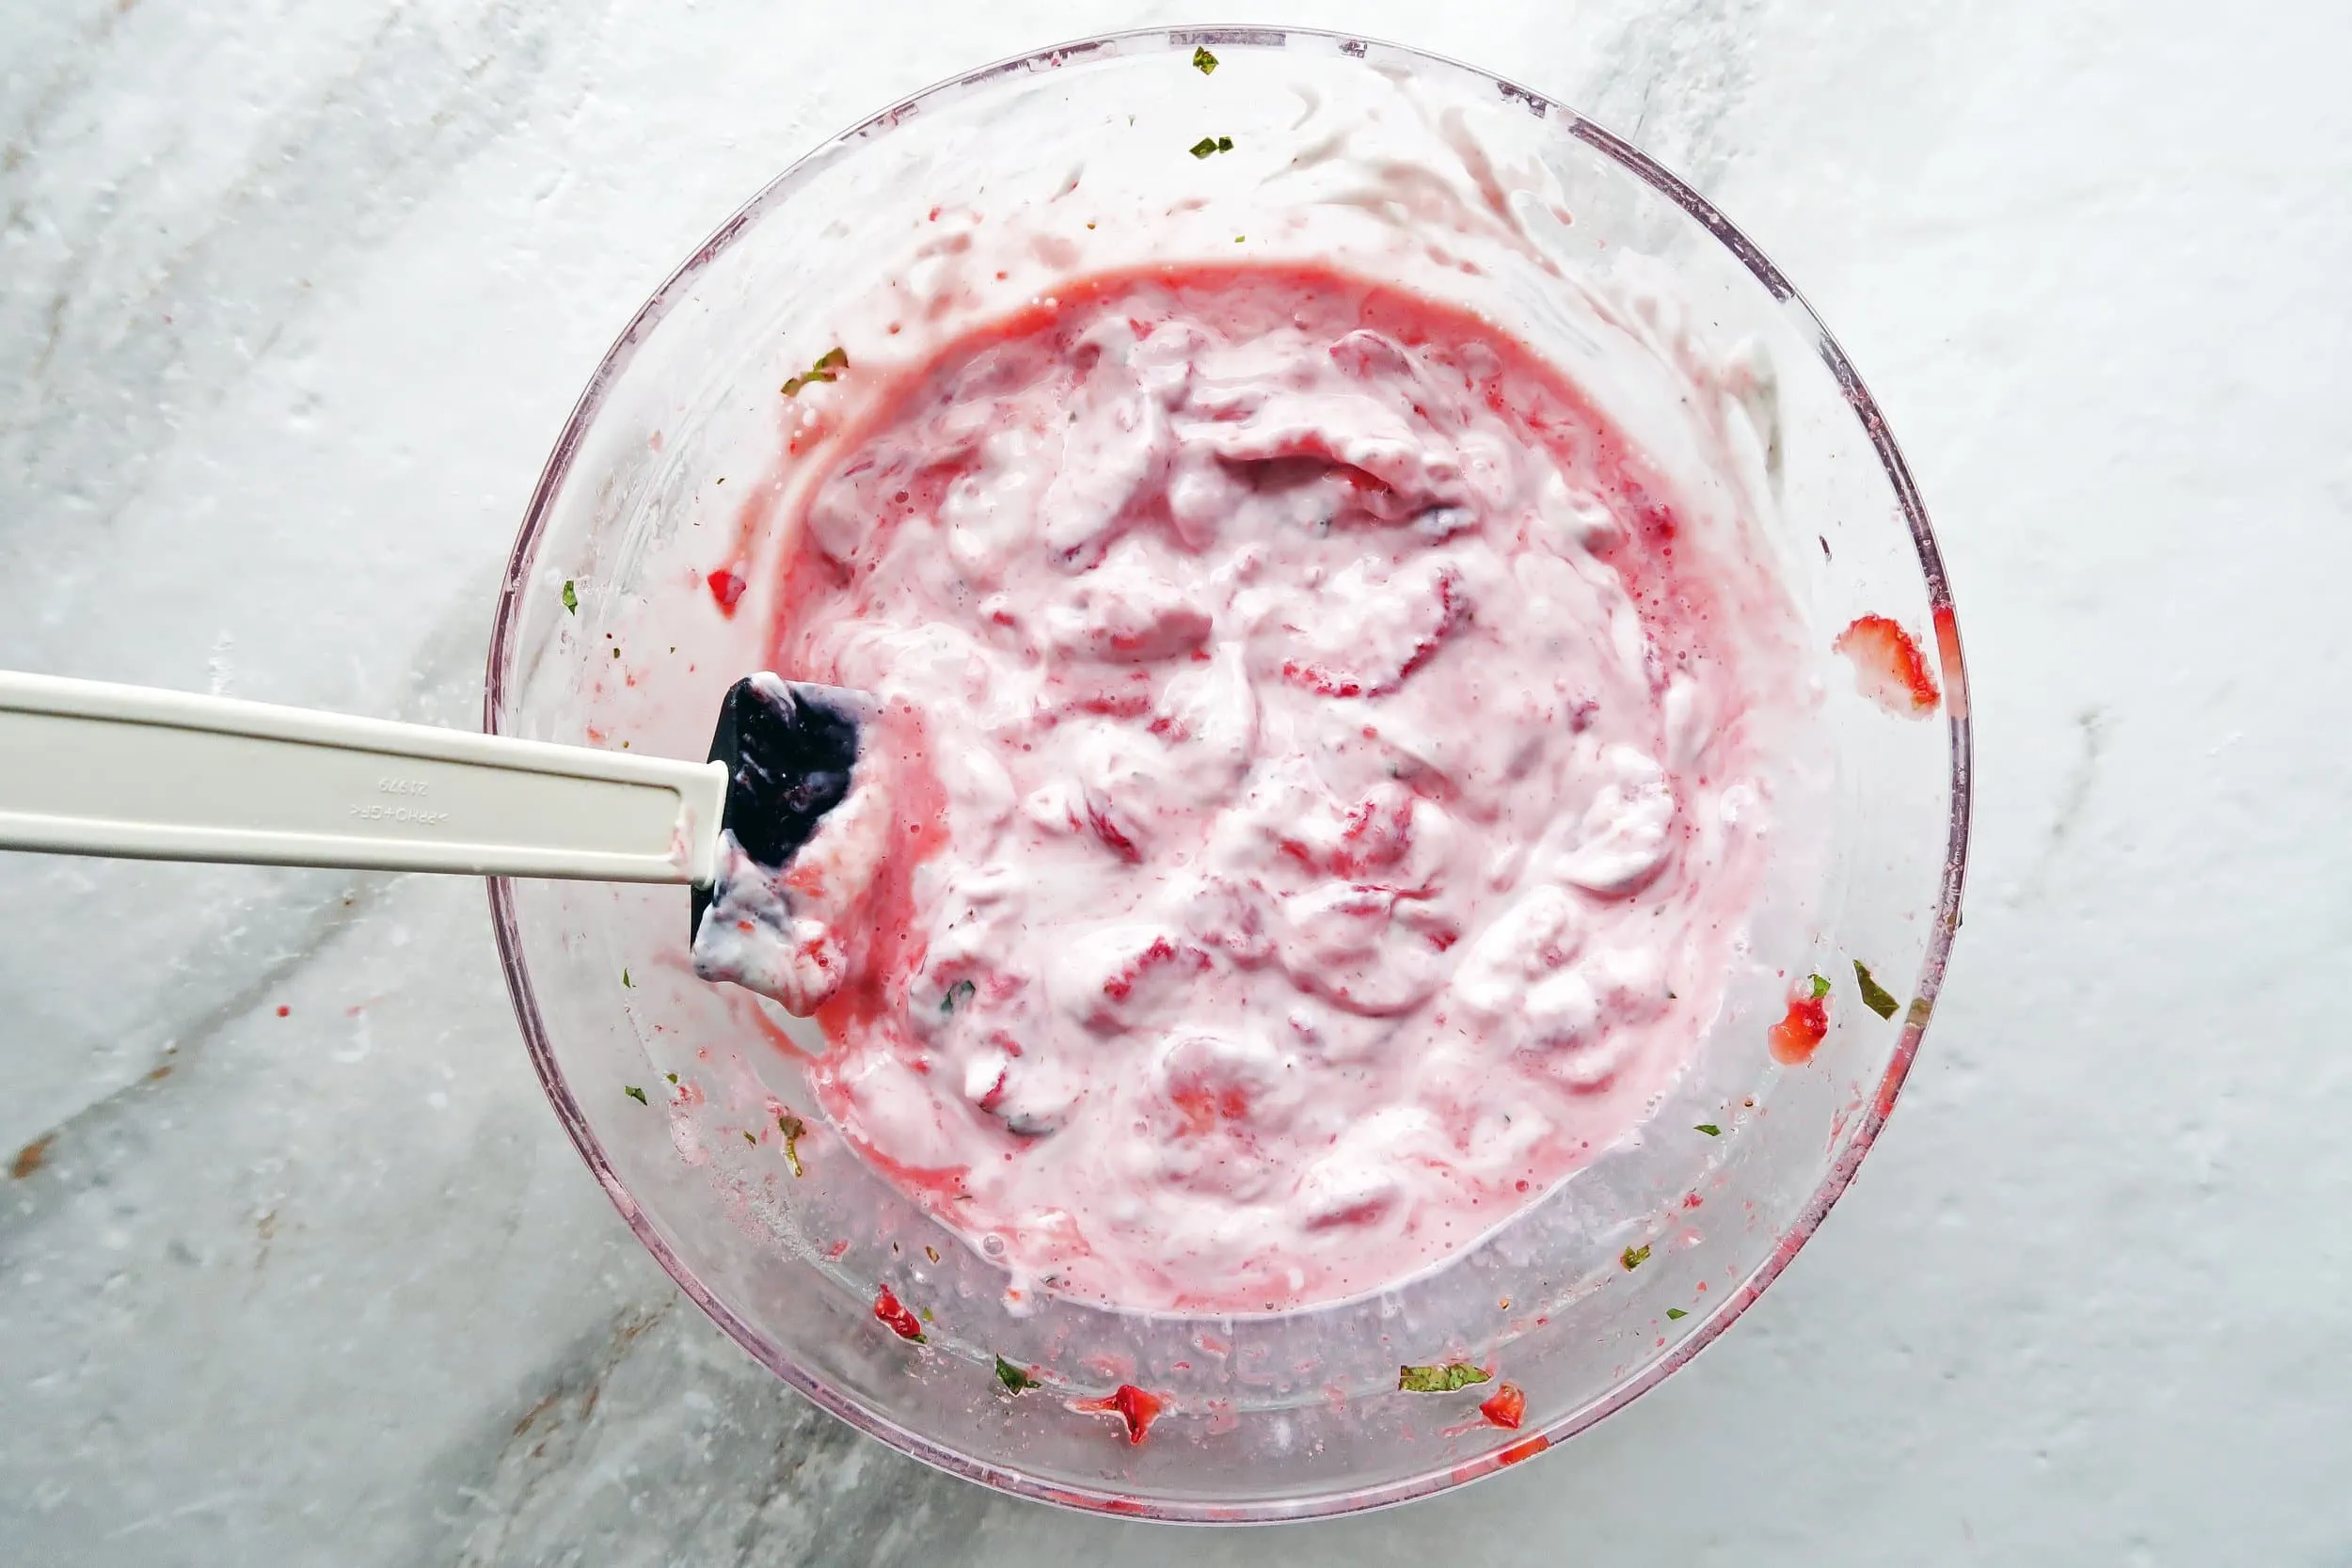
(1332, 799)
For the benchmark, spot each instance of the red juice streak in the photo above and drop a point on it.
(1947, 654)
(879, 979)
(894, 744)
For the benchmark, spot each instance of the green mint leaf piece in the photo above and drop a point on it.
(793, 1129)
(1676, 1312)
(1633, 1257)
(835, 358)
(571, 596)
(637, 1094)
(1013, 1377)
(1203, 62)
(958, 994)
(1821, 988)
(1710, 1128)
(1874, 996)
(1445, 1378)
(1202, 147)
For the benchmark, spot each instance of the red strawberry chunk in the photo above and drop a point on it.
(1505, 1408)
(1888, 666)
(1135, 1407)
(1799, 1030)
(895, 1317)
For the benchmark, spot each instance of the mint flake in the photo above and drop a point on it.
(1874, 996)
(833, 359)
(1443, 1379)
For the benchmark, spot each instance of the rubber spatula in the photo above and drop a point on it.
(93, 769)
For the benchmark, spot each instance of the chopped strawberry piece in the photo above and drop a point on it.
(1372, 836)
(725, 587)
(1119, 986)
(1132, 1405)
(1376, 676)
(1888, 666)
(1452, 614)
(1794, 1038)
(905, 1324)
(1377, 835)
(1507, 1405)
(1131, 703)
(1204, 1103)
(1114, 837)
(1322, 682)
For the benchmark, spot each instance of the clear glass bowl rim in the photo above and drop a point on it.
(501, 679)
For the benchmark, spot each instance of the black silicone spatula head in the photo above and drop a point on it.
(788, 746)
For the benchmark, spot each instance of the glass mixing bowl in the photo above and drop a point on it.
(989, 188)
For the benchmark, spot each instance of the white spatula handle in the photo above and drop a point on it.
(91, 769)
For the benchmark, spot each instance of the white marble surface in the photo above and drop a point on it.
(292, 299)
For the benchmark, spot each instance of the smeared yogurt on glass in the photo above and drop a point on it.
(1317, 792)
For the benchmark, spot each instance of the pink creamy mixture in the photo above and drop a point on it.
(1316, 798)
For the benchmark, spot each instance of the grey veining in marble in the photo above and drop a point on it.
(293, 300)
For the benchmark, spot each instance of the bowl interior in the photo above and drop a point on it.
(973, 196)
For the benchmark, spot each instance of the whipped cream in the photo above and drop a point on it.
(1314, 797)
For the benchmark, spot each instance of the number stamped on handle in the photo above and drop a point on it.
(414, 816)
(411, 816)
